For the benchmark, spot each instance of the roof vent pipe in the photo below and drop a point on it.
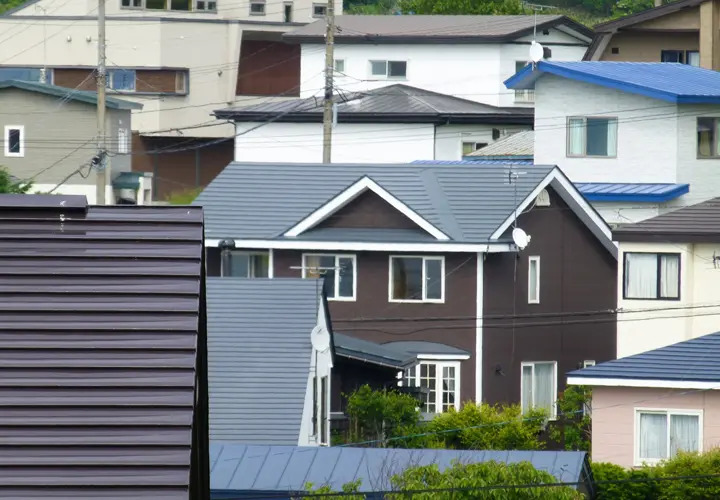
(226, 247)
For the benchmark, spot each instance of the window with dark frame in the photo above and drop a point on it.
(708, 145)
(690, 57)
(13, 139)
(288, 12)
(651, 276)
(319, 10)
(257, 8)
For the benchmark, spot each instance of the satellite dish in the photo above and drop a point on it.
(320, 339)
(520, 237)
(536, 51)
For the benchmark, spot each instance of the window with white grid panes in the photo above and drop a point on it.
(441, 382)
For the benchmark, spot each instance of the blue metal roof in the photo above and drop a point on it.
(600, 191)
(238, 469)
(469, 161)
(696, 360)
(672, 82)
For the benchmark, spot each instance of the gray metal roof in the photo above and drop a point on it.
(100, 331)
(363, 350)
(416, 347)
(264, 200)
(433, 28)
(239, 468)
(696, 360)
(259, 355)
(696, 223)
(518, 144)
(392, 103)
(74, 95)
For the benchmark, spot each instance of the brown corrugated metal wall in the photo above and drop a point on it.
(100, 321)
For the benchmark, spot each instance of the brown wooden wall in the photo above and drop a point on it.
(74, 79)
(576, 275)
(368, 211)
(156, 80)
(182, 171)
(268, 68)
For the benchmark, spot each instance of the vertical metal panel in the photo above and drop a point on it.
(100, 318)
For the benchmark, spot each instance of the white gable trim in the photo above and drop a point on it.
(570, 195)
(631, 382)
(352, 192)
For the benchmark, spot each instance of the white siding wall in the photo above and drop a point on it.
(359, 143)
(449, 138)
(703, 175)
(676, 320)
(473, 72)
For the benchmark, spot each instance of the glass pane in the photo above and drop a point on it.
(347, 277)
(23, 74)
(397, 69)
(257, 8)
(378, 68)
(671, 56)
(684, 433)
(260, 265)
(467, 148)
(407, 278)
(544, 386)
(653, 436)
(533, 281)
(428, 381)
(527, 387)
(155, 4)
(576, 136)
(641, 275)
(433, 278)
(239, 265)
(693, 58)
(122, 79)
(670, 276)
(179, 4)
(597, 137)
(340, 65)
(519, 65)
(705, 136)
(448, 387)
(14, 140)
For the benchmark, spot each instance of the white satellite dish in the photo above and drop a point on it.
(536, 52)
(320, 339)
(520, 237)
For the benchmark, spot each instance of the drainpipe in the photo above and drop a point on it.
(226, 247)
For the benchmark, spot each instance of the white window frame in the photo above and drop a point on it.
(252, 264)
(424, 298)
(637, 461)
(585, 131)
(6, 141)
(318, 5)
(123, 140)
(335, 65)
(553, 409)
(588, 362)
(387, 62)
(337, 257)
(536, 260)
(426, 359)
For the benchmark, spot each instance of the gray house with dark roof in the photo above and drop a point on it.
(102, 351)
(423, 255)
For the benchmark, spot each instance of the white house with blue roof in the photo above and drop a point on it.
(638, 138)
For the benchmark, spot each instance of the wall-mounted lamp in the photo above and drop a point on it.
(69, 38)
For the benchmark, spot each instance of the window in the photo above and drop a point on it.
(123, 141)
(339, 272)
(388, 69)
(205, 5)
(180, 4)
(661, 434)
(691, 57)
(14, 140)
(288, 12)
(538, 386)
(121, 79)
(319, 10)
(131, 4)
(257, 8)
(588, 362)
(155, 4)
(323, 410)
(592, 137)
(181, 82)
(652, 276)
(417, 279)
(534, 280)
(315, 406)
(248, 265)
(24, 74)
(340, 65)
(708, 145)
(523, 95)
(469, 147)
(441, 381)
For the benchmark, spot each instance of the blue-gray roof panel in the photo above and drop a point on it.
(85, 96)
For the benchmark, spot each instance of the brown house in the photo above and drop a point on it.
(685, 31)
(102, 351)
(421, 259)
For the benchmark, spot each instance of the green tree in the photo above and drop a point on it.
(475, 481)
(572, 427)
(184, 197)
(11, 185)
(475, 7)
(380, 415)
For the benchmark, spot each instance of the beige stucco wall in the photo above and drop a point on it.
(613, 418)
(646, 46)
(686, 19)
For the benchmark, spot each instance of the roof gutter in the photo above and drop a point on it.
(437, 119)
(439, 246)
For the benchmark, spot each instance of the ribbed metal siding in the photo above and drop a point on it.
(99, 324)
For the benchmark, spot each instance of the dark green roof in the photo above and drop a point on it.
(69, 94)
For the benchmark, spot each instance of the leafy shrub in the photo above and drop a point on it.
(691, 464)
(572, 428)
(632, 489)
(380, 415)
(471, 481)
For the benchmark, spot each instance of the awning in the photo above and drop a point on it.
(599, 191)
(370, 352)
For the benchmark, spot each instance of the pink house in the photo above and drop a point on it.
(647, 407)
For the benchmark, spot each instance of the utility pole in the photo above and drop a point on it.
(101, 165)
(329, 70)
